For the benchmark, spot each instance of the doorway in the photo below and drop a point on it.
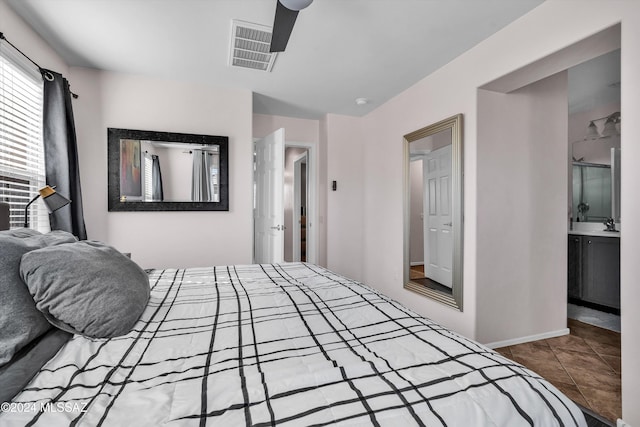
(284, 200)
(524, 172)
(594, 191)
(295, 203)
(300, 203)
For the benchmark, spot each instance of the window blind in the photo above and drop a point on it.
(22, 171)
(148, 177)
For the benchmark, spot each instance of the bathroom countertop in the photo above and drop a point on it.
(601, 233)
(593, 229)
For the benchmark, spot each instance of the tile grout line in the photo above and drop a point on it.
(570, 376)
(577, 346)
(601, 358)
(599, 331)
(572, 379)
(598, 353)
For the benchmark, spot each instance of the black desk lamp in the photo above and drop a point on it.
(52, 200)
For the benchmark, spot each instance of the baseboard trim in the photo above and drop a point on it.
(521, 340)
(416, 263)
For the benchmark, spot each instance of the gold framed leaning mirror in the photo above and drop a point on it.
(433, 211)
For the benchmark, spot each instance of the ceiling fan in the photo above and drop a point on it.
(286, 14)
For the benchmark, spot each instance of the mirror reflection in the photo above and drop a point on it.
(430, 234)
(595, 187)
(433, 211)
(591, 192)
(156, 171)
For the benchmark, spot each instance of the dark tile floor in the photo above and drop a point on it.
(584, 365)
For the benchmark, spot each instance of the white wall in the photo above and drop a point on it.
(345, 213)
(323, 190)
(296, 130)
(453, 89)
(630, 206)
(521, 217)
(165, 239)
(25, 39)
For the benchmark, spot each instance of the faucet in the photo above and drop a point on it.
(611, 224)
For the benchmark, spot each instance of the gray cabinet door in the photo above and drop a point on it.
(574, 278)
(601, 270)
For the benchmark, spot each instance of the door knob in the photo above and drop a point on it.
(276, 228)
(449, 224)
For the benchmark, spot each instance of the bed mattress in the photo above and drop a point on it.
(288, 345)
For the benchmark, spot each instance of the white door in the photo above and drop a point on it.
(269, 200)
(438, 236)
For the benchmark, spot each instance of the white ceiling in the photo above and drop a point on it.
(340, 50)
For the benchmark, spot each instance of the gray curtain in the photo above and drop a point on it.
(156, 179)
(201, 177)
(61, 153)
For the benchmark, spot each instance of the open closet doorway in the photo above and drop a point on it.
(300, 202)
(299, 207)
(284, 200)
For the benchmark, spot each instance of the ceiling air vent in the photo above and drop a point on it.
(250, 46)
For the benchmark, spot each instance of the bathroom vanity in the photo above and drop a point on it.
(594, 269)
(594, 250)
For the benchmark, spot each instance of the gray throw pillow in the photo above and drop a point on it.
(20, 321)
(52, 238)
(86, 288)
(20, 232)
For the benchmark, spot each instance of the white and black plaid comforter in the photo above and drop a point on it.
(286, 345)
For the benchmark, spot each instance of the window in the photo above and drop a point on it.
(148, 177)
(21, 151)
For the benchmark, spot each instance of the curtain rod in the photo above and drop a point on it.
(2, 37)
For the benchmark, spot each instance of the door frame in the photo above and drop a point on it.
(297, 200)
(312, 197)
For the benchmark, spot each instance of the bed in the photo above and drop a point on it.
(290, 344)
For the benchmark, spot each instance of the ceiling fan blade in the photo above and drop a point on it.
(282, 27)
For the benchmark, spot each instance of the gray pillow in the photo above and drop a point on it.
(20, 321)
(86, 288)
(20, 232)
(52, 238)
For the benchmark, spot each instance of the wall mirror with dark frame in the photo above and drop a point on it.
(165, 171)
(433, 211)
